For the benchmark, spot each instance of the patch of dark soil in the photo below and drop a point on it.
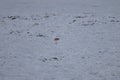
(13, 17)
(80, 17)
(40, 35)
(55, 58)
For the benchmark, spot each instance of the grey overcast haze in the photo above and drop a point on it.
(59, 39)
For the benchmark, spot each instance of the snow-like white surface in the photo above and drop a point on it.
(88, 47)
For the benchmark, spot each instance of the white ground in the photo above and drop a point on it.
(88, 47)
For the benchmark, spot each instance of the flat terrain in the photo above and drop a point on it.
(59, 40)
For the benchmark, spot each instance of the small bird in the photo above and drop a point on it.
(56, 40)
